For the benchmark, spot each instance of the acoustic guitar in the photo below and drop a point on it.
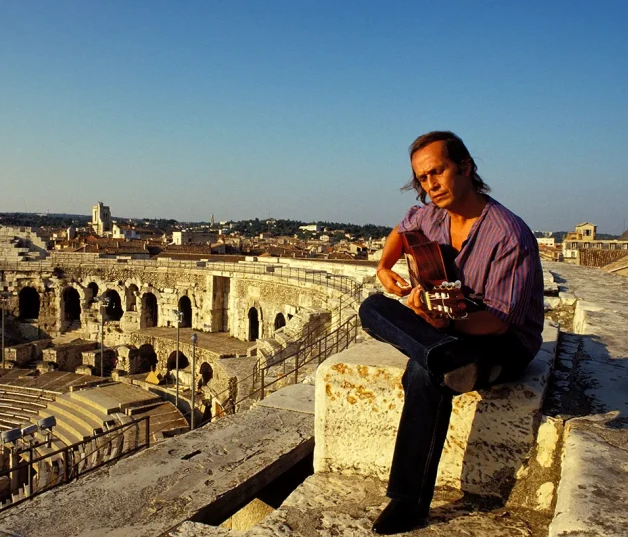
(442, 298)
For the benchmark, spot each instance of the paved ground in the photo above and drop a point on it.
(329, 505)
(594, 362)
(58, 381)
(219, 342)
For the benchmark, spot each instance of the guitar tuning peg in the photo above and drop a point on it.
(458, 284)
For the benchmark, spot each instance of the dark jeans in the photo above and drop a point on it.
(427, 407)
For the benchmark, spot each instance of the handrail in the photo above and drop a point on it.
(73, 468)
(347, 328)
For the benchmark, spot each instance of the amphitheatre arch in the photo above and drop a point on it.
(29, 303)
(207, 373)
(113, 311)
(253, 324)
(131, 293)
(280, 321)
(172, 361)
(70, 307)
(147, 358)
(185, 307)
(149, 311)
(92, 292)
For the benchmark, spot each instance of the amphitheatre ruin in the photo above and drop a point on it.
(210, 398)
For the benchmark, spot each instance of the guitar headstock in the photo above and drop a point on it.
(445, 300)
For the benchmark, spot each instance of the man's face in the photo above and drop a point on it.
(444, 182)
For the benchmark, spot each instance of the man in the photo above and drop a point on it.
(495, 256)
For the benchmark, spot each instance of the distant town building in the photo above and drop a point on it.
(583, 240)
(546, 241)
(311, 227)
(181, 238)
(101, 219)
(126, 232)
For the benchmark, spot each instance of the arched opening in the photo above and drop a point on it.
(149, 310)
(253, 324)
(92, 292)
(280, 321)
(131, 297)
(71, 302)
(185, 307)
(113, 311)
(29, 303)
(172, 361)
(207, 373)
(147, 359)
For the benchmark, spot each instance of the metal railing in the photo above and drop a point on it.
(318, 350)
(71, 462)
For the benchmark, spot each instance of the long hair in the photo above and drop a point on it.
(456, 152)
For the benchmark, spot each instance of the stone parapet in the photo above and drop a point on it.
(359, 398)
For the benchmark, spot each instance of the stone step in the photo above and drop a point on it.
(71, 427)
(13, 420)
(81, 409)
(25, 393)
(86, 419)
(33, 406)
(113, 397)
(65, 436)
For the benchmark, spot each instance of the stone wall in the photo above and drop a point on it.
(220, 295)
(599, 258)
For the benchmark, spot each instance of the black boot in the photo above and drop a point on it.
(400, 516)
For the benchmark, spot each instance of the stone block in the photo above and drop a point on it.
(593, 489)
(359, 398)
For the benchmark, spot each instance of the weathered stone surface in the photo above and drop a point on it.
(331, 505)
(358, 404)
(298, 397)
(547, 439)
(194, 529)
(200, 475)
(593, 490)
(600, 318)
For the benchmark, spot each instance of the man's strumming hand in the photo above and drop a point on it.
(392, 282)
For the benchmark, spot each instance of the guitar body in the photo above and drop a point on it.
(443, 299)
(425, 260)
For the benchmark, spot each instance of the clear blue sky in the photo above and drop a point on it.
(305, 109)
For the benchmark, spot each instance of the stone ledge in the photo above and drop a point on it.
(297, 397)
(358, 404)
(201, 475)
(593, 489)
(331, 505)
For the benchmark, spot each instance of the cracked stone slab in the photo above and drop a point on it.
(600, 319)
(330, 505)
(200, 475)
(195, 529)
(298, 398)
(593, 489)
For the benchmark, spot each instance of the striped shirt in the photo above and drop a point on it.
(499, 260)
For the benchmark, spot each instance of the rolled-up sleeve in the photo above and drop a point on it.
(412, 220)
(511, 283)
